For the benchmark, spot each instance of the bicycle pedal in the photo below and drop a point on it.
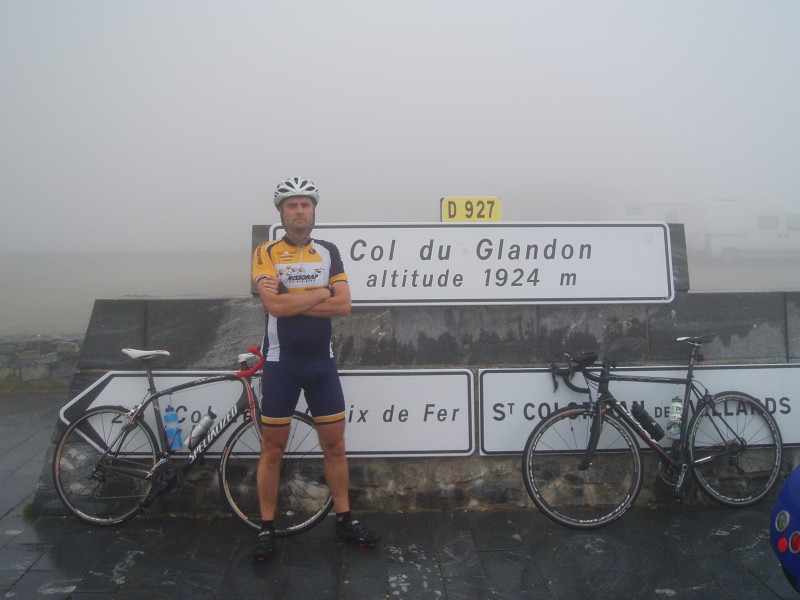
(679, 493)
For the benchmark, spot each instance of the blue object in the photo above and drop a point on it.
(784, 531)
(171, 427)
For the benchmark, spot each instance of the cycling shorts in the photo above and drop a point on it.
(282, 382)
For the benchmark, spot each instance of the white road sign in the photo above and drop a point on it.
(514, 401)
(499, 263)
(389, 413)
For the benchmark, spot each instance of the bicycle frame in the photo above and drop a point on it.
(606, 401)
(246, 404)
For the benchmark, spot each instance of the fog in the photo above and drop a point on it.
(163, 127)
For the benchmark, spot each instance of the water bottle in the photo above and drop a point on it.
(171, 427)
(200, 429)
(675, 416)
(649, 424)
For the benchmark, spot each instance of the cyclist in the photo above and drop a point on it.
(302, 284)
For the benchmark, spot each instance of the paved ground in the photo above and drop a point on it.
(667, 552)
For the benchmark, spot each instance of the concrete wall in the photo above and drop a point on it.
(207, 334)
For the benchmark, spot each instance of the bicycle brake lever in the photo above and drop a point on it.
(553, 373)
(571, 368)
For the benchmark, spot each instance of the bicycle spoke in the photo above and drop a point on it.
(303, 497)
(100, 464)
(571, 496)
(735, 449)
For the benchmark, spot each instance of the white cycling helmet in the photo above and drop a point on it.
(296, 186)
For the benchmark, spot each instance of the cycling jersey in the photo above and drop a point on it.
(299, 349)
(317, 264)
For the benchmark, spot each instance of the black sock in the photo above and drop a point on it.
(267, 525)
(343, 517)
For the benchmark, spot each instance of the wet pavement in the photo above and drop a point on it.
(669, 551)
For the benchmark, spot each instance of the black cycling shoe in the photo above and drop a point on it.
(354, 531)
(265, 544)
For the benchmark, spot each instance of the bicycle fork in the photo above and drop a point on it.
(597, 419)
(594, 437)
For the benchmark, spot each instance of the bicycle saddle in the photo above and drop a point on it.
(697, 341)
(144, 354)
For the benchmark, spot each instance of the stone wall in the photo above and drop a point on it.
(207, 334)
(38, 362)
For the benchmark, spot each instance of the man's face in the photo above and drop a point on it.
(297, 213)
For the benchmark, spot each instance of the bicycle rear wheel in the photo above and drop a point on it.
(100, 463)
(735, 449)
(303, 498)
(583, 499)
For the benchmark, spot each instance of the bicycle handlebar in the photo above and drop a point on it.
(586, 359)
(573, 365)
(255, 368)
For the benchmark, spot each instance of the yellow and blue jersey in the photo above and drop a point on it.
(317, 264)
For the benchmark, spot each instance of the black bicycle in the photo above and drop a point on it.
(109, 465)
(583, 468)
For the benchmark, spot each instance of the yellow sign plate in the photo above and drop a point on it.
(470, 210)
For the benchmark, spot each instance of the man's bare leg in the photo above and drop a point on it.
(331, 438)
(268, 479)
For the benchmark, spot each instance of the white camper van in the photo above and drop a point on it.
(726, 230)
(737, 229)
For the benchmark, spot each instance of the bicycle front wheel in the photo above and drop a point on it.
(588, 498)
(735, 449)
(303, 497)
(100, 465)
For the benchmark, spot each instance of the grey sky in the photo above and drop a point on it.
(118, 118)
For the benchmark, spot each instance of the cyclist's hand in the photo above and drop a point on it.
(270, 284)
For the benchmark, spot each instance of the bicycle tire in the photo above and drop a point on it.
(304, 498)
(744, 476)
(590, 498)
(84, 473)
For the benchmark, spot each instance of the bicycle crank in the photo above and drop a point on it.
(668, 473)
(669, 468)
(679, 491)
(167, 479)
